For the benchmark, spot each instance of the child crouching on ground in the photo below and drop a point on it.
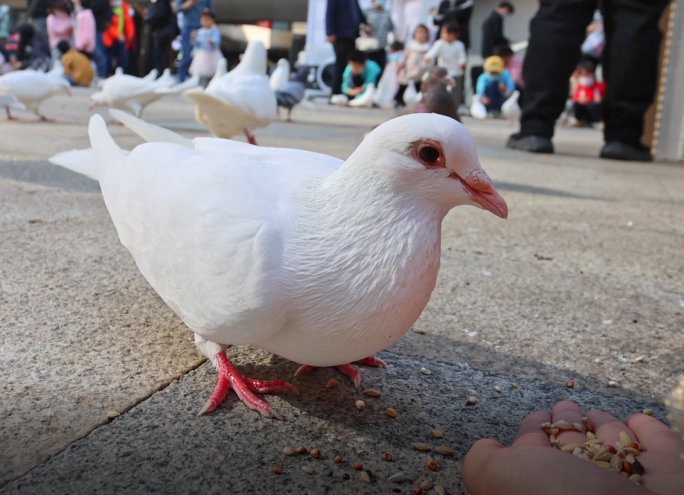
(495, 84)
(586, 100)
(77, 67)
(360, 72)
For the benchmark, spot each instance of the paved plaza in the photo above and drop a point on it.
(584, 277)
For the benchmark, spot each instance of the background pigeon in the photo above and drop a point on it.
(280, 75)
(437, 95)
(320, 261)
(240, 101)
(129, 92)
(31, 88)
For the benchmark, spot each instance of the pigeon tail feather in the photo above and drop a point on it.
(149, 132)
(92, 162)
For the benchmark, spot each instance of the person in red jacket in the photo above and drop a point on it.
(586, 101)
(118, 38)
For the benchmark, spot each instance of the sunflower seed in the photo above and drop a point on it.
(437, 433)
(112, 414)
(444, 450)
(439, 490)
(371, 392)
(630, 458)
(423, 447)
(578, 451)
(425, 371)
(625, 438)
(578, 427)
(563, 425)
(497, 389)
(308, 469)
(571, 446)
(426, 485)
(472, 400)
(360, 404)
(421, 331)
(648, 412)
(397, 478)
(636, 478)
(615, 462)
(640, 359)
(391, 412)
(365, 476)
(288, 451)
(603, 464)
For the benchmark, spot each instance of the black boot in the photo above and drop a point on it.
(617, 150)
(533, 144)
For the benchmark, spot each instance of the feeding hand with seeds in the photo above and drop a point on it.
(551, 455)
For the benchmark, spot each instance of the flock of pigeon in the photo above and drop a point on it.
(234, 102)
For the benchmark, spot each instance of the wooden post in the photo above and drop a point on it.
(650, 118)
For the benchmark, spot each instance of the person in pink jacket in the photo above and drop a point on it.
(84, 35)
(59, 27)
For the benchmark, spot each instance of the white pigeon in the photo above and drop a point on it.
(321, 261)
(194, 81)
(240, 101)
(117, 72)
(31, 88)
(129, 92)
(280, 75)
(8, 101)
(510, 108)
(365, 99)
(411, 96)
(166, 77)
(57, 70)
(151, 76)
(387, 88)
(339, 99)
(477, 108)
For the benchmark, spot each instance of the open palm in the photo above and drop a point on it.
(532, 467)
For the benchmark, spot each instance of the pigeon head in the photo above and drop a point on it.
(96, 99)
(432, 157)
(254, 58)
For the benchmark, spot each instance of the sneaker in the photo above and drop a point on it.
(533, 144)
(617, 150)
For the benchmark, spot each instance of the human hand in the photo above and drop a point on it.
(354, 91)
(122, 38)
(193, 35)
(583, 100)
(332, 38)
(485, 101)
(503, 88)
(597, 98)
(532, 467)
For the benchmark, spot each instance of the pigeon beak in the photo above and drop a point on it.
(483, 192)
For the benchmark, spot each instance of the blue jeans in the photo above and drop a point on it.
(496, 97)
(119, 53)
(186, 50)
(100, 56)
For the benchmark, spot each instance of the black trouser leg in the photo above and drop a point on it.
(162, 51)
(399, 97)
(630, 65)
(343, 48)
(556, 35)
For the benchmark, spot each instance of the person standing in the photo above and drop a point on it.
(492, 29)
(380, 23)
(208, 43)
(458, 11)
(630, 71)
(60, 28)
(192, 10)
(84, 34)
(162, 28)
(119, 37)
(102, 11)
(450, 54)
(38, 12)
(342, 20)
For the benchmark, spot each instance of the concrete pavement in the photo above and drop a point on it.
(589, 266)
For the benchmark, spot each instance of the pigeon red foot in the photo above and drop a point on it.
(351, 371)
(245, 388)
(9, 115)
(250, 138)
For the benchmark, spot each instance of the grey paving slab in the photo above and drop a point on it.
(589, 265)
(162, 446)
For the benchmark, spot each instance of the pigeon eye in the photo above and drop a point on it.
(429, 154)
